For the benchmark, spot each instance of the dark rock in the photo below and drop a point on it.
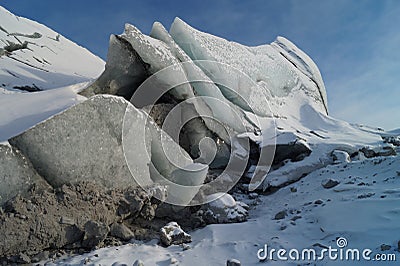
(27, 88)
(22, 258)
(66, 220)
(119, 264)
(95, 233)
(385, 247)
(318, 201)
(384, 151)
(280, 215)
(294, 218)
(295, 151)
(121, 231)
(233, 262)
(44, 255)
(330, 183)
(395, 140)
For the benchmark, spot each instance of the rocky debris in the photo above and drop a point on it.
(365, 195)
(378, 151)
(340, 157)
(172, 234)
(73, 217)
(330, 183)
(187, 217)
(158, 112)
(394, 140)
(121, 231)
(17, 174)
(280, 215)
(223, 209)
(12, 47)
(28, 88)
(233, 262)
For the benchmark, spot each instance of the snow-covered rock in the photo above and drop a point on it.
(172, 234)
(16, 174)
(340, 156)
(34, 57)
(223, 208)
(233, 262)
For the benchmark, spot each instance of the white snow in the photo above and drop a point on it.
(20, 111)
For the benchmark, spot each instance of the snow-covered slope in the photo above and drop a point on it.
(20, 111)
(37, 58)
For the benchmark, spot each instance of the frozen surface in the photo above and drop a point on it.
(44, 59)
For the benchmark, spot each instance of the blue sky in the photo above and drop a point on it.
(356, 44)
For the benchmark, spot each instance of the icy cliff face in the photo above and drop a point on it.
(34, 57)
(246, 108)
(277, 70)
